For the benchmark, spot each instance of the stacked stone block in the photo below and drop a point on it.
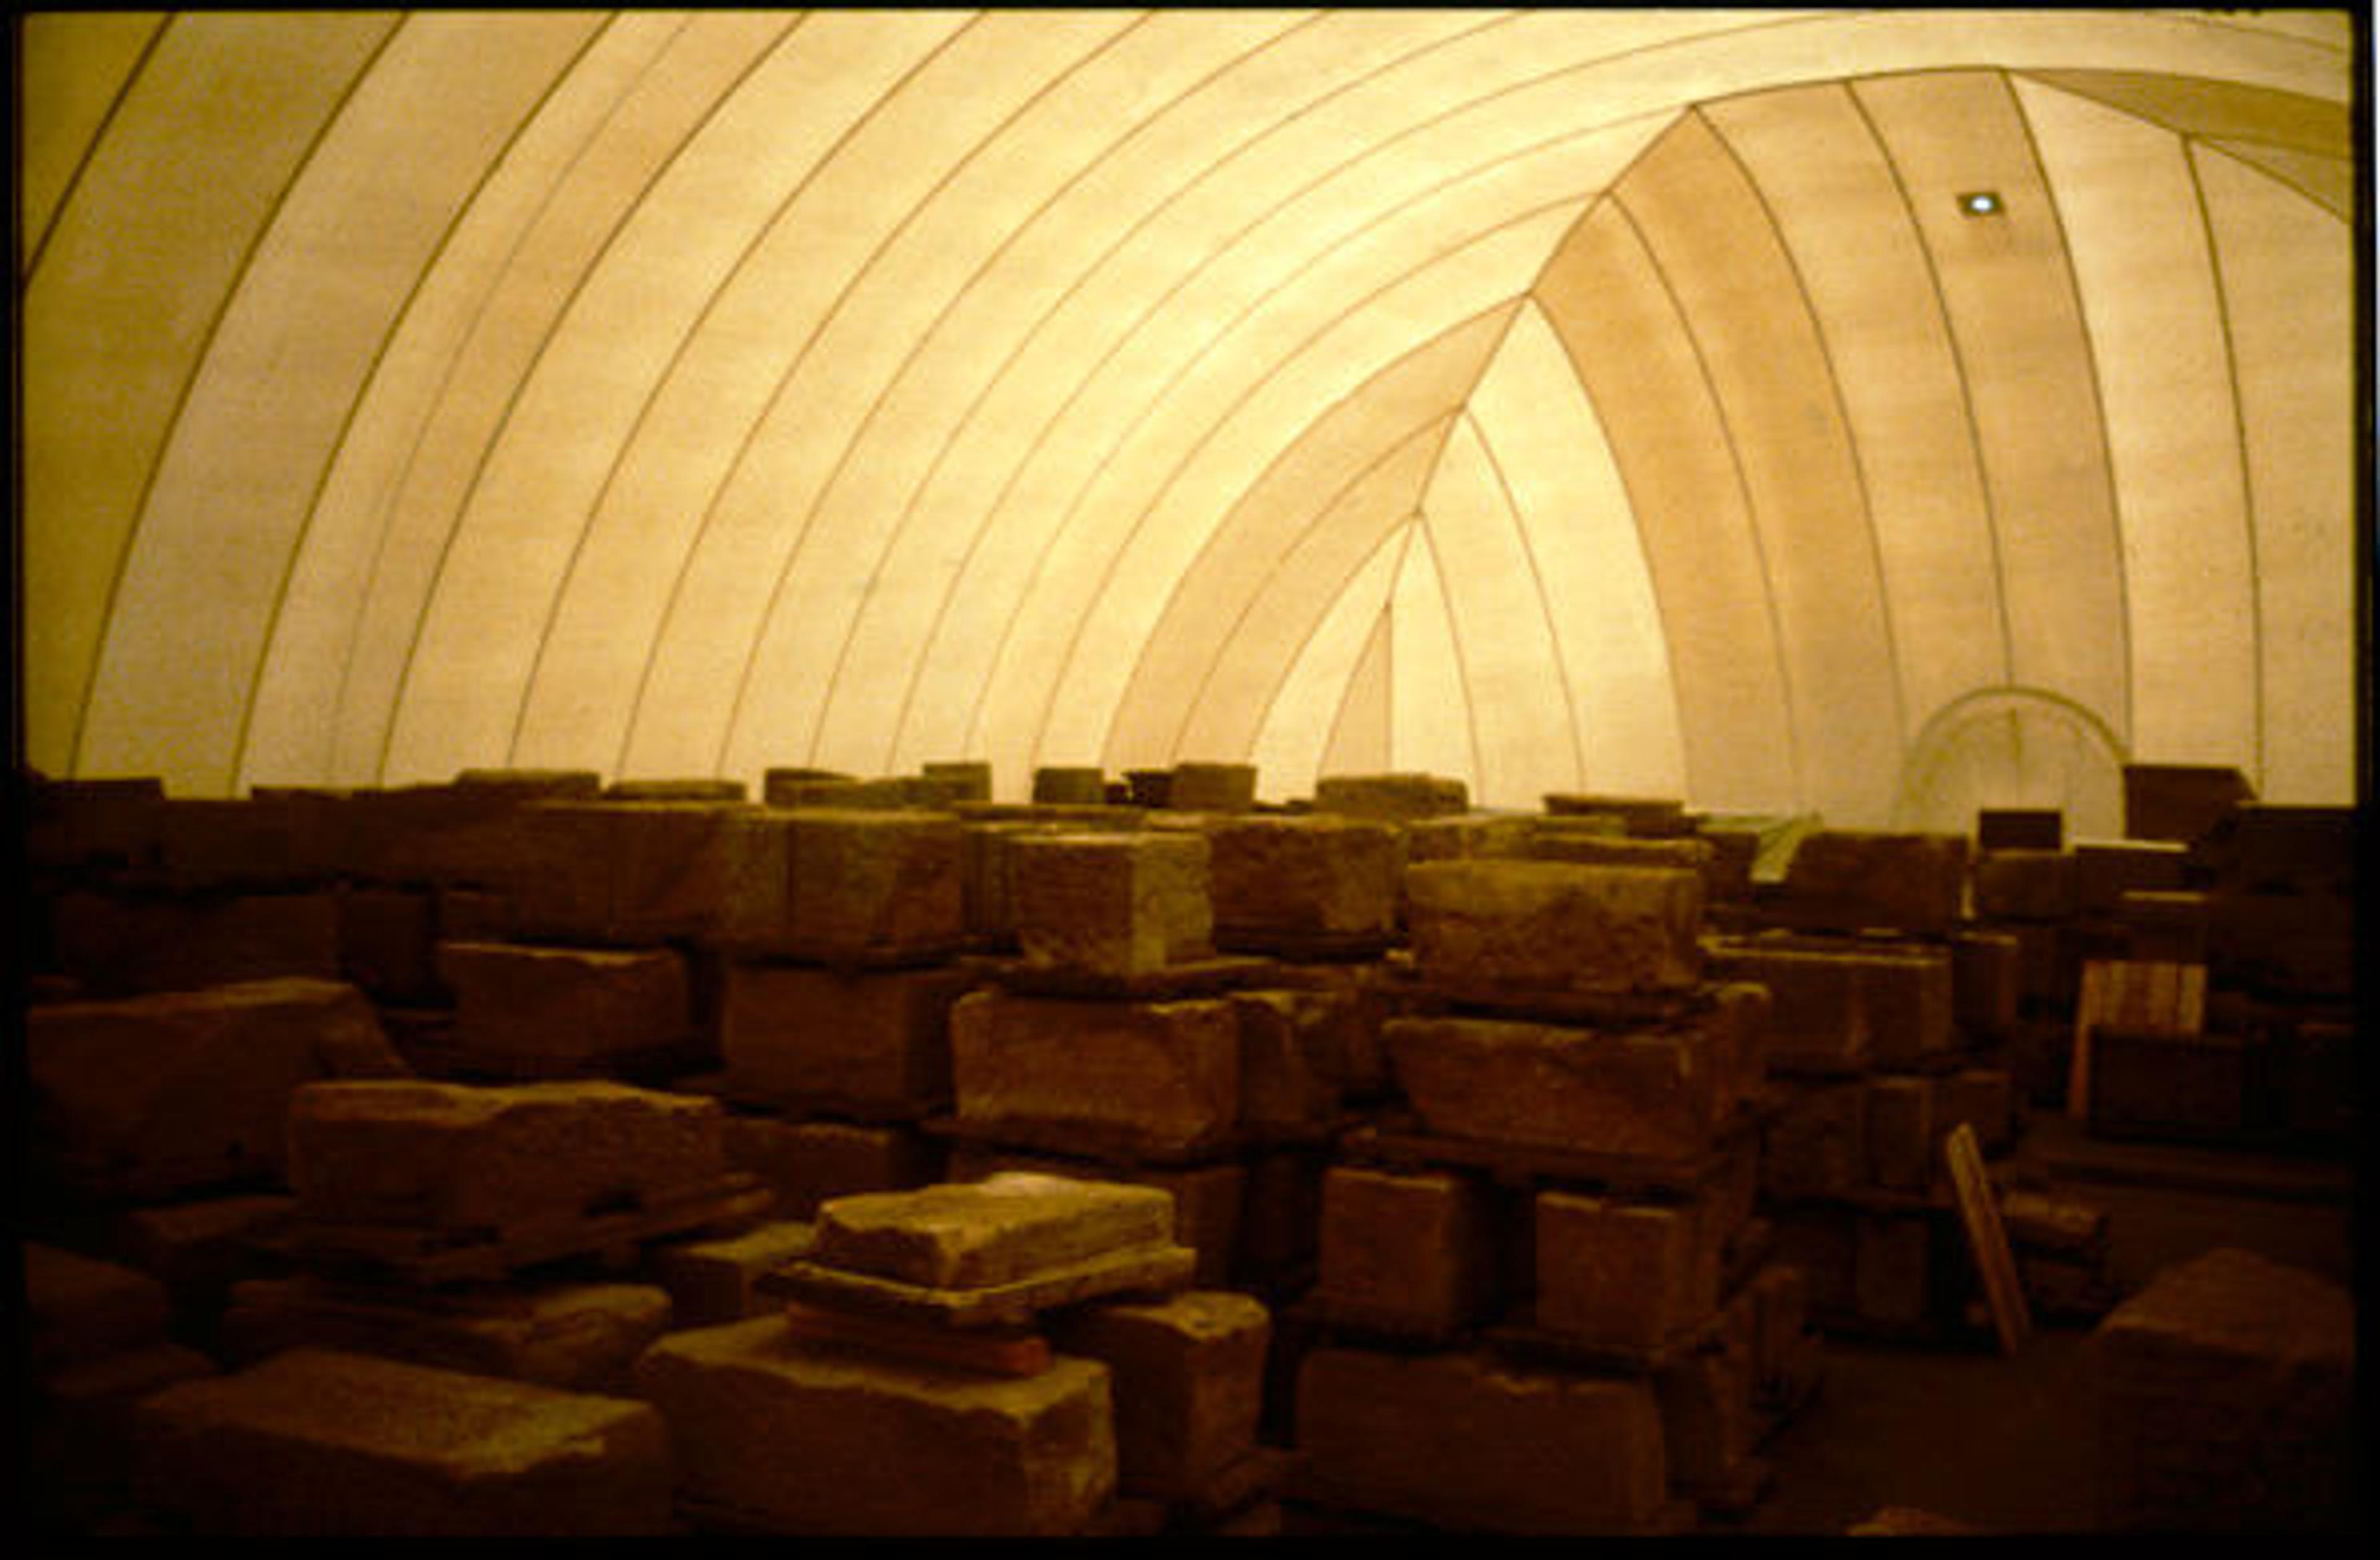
(1548, 1238)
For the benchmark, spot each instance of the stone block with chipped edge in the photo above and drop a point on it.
(1556, 926)
(1188, 1373)
(867, 1039)
(1006, 1228)
(1112, 904)
(1158, 1075)
(1404, 1253)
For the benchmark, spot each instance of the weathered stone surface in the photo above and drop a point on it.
(181, 1090)
(1894, 1281)
(2180, 802)
(1310, 874)
(1623, 1275)
(1649, 1092)
(315, 1443)
(532, 784)
(1555, 926)
(820, 1441)
(2174, 928)
(617, 873)
(1982, 1098)
(842, 884)
(572, 1336)
(1815, 1146)
(709, 1280)
(1903, 1133)
(1162, 1076)
(1986, 984)
(388, 943)
(2225, 1394)
(1281, 1220)
(2283, 944)
(1112, 904)
(1368, 994)
(2020, 828)
(114, 943)
(705, 788)
(1851, 880)
(1206, 1198)
(1457, 1441)
(968, 779)
(1405, 1253)
(1841, 1008)
(1471, 835)
(1645, 817)
(806, 1163)
(870, 1040)
(1293, 1058)
(1070, 785)
(77, 1425)
(2104, 871)
(1188, 1376)
(565, 1007)
(2025, 886)
(105, 822)
(198, 1249)
(1004, 1229)
(436, 835)
(1397, 797)
(1708, 1432)
(79, 1308)
(1212, 788)
(451, 1156)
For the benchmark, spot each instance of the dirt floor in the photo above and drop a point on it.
(2004, 1445)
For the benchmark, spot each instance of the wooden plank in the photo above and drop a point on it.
(1986, 1240)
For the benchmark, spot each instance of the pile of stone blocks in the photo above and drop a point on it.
(1022, 1356)
(2225, 1398)
(1886, 1028)
(1541, 1301)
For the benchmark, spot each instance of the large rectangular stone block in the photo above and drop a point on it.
(806, 1163)
(1312, 875)
(1623, 1273)
(1986, 984)
(1841, 1008)
(625, 872)
(1108, 1076)
(811, 1440)
(2026, 885)
(1654, 1092)
(711, 1279)
(1853, 880)
(2180, 802)
(1815, 1146)
(848, 886)
(539, 1008)
(1555, 926)
(1006, 1229)
(121, 943)
(460, 1156)
(1293, 1058)
(1396, 797)
(1460, 1442)
(1206, 786)
(179, 1091)
(874, 1042)
(988, 862)
(315, 1443)
(2104, 871)
(1112, 904)
(1206, 1198)
(1901, 1132)
(1188, 1376)
(1409, 1253)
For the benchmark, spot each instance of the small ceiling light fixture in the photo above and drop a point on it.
(1980, 203)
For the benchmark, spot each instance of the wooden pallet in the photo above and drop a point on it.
(429, 1256)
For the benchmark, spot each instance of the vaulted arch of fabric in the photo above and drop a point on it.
(1862, 412)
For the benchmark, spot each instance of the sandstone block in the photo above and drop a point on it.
(1708, 1432)
(565, 1008)
(314, 1442)
(1405, 1253)
(967, 779)
(819, 1441)
(1392, 797)
(617, 873)
(1645, 817)
(1206, 1198)
(694, 787)
(710, 1280)
(1112, 904)
(1212, 788)
(806, 1163)
(197, 1250)
(388, 943)
(126, 945)
(1850, 880)
(2020, 828)
(1293, 1058)
(2104, 871)
(1894, 1281)
(2025, 886)
(531, 784)
(874, 1042)
(1279, 1235)
(1816, 1021)
(1070, 785)
(1817, 1145)
(2180, 801)
(1982, 1098)
(1188, 1375)
(109, 821)
(2263, 847)
(79, 1308)
(1310, 876)
(1157, 1076)
(1471, 836)
(1555, 926)
(1004, 1229)
(570, 1337)
(181, 1090)
(1986, 983)
(848, 886)
(436, 836)
(457, 1156)
(292, 838)
(1459, 1442)
(2167, 928)
(1902, 1133)
(1623, 1275)
(1906, 992)
(2224, 1393)
(1652, 1092)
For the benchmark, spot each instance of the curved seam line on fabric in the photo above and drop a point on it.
(1033, 333)
(1537, 574)
(99, 134)
(752, 246)
(918, 350)
(1391, 449)
(1115, 554)
(1165, 487)
(521, 385)
(1454, 633)
(198, 363)
(423, 421)
(363, 385)
(1726, 431)
(1400, 528)
(2091, 374)
(1246, 148)
(1949, 340)
(1851, 439)
(1386, 633)
(858, 278)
